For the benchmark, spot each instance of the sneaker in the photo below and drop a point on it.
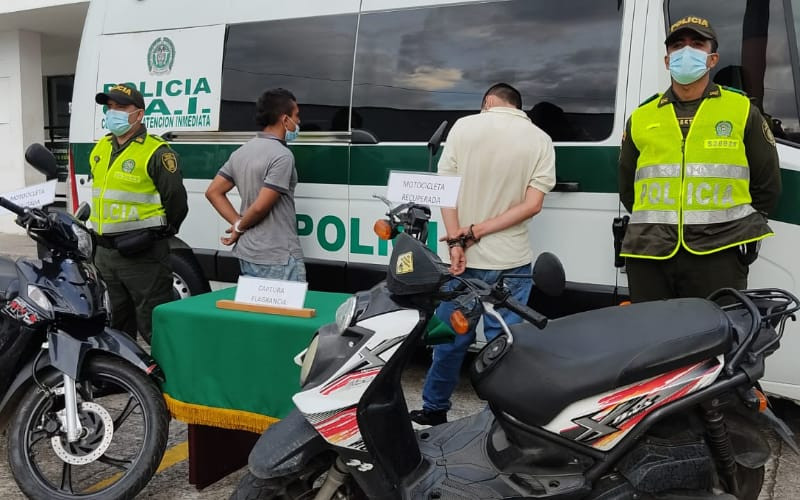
(426, 417)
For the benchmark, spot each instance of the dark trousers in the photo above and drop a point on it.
(685, 275)
(136, 285)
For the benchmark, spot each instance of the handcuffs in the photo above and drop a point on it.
(461, 241)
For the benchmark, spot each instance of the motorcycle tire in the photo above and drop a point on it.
(128, 476)
(300, 486)
(750, 482)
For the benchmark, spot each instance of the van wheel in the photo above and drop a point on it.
(187, 276)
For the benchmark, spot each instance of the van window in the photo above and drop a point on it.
(311, 57)
(755, 55)
(417, 67)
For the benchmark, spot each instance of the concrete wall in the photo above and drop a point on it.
(21, 111)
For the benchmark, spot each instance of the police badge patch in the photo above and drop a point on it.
(169, 162)
(767, 132)
(724, 128)
(128, 166)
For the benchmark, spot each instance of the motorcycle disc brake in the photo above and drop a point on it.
(108, 435)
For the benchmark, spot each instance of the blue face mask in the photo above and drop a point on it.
(117, 122)
(292, 134)
(688, 65)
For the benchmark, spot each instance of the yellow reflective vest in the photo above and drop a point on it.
(692, 192)
(124, 197)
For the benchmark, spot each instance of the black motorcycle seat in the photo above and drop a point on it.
(8, 277)
(590, 353)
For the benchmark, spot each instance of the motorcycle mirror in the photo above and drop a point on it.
(434, 143)
(548, 274)
(83, 212)
(42, 160)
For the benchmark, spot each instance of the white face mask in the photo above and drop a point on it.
(292, 134)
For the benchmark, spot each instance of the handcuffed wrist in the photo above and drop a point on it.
(236, 227)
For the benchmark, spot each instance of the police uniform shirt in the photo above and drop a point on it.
(164, 169)
(762, 156)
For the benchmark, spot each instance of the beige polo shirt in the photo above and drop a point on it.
(497, 153)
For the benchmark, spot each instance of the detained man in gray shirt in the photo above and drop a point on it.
(264, 230)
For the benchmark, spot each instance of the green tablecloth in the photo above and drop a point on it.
(233, 369)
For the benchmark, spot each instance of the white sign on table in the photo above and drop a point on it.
(425, 189)
(274, 293)
(32, 196)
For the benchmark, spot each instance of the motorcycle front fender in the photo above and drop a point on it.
(285, 448)
(67, 352)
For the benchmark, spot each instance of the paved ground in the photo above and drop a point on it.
(782, 481)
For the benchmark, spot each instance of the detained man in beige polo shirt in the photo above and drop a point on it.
(506, 165)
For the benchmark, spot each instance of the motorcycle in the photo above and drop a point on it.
(79, 401)
(652, 400)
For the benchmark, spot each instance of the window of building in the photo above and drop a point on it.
(417, 67)
(311, 57)
(755, 54)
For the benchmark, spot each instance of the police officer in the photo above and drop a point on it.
(699, 173)
(138, 201)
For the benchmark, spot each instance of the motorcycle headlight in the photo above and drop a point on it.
(345, 313)
(308, 359)
(85, 241)
(38, 297)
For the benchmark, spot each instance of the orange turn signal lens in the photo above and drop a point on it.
(763, 402)
(625, 303)
(383, 229)
(459, 322)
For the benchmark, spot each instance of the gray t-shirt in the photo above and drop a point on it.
(265, 161)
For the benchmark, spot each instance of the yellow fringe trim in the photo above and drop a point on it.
(226, 418)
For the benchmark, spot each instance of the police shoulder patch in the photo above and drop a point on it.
(169, 162)
(767, 132)
(652, 97)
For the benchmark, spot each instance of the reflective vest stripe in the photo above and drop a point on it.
(720, 171)
(119, 227)
(717, 216)
(654, 171)
(654, 217)
(117, 195)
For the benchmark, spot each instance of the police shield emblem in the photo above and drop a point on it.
(169, 162)
(724, 128)
(160, 56)
(128, 166)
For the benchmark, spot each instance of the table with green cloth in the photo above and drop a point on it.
(233, 369)
(230, 374)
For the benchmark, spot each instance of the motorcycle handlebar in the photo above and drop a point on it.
(538, 320)
(11, 206)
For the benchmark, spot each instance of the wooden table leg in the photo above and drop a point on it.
(214, 453)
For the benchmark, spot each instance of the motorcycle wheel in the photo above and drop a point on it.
(125, 426)
(750, 482)
(301, 486)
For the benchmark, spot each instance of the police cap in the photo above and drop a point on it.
(699, 25)
(122, 93)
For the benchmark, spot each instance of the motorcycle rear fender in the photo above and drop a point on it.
(70, 354)
(286, 447)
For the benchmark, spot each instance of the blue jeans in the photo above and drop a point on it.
(443, 375)
(294, 270)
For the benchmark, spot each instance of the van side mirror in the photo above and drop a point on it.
(548, 274)
(42, 160)
(83, 212)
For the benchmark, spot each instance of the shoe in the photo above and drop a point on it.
(425, 417)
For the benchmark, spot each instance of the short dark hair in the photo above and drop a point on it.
(273, 104)
(505, 92)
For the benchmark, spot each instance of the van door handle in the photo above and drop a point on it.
(567, 187)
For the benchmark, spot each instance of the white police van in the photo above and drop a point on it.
(374, 78)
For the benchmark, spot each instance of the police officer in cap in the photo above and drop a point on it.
(138, 201)
(699, 173)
